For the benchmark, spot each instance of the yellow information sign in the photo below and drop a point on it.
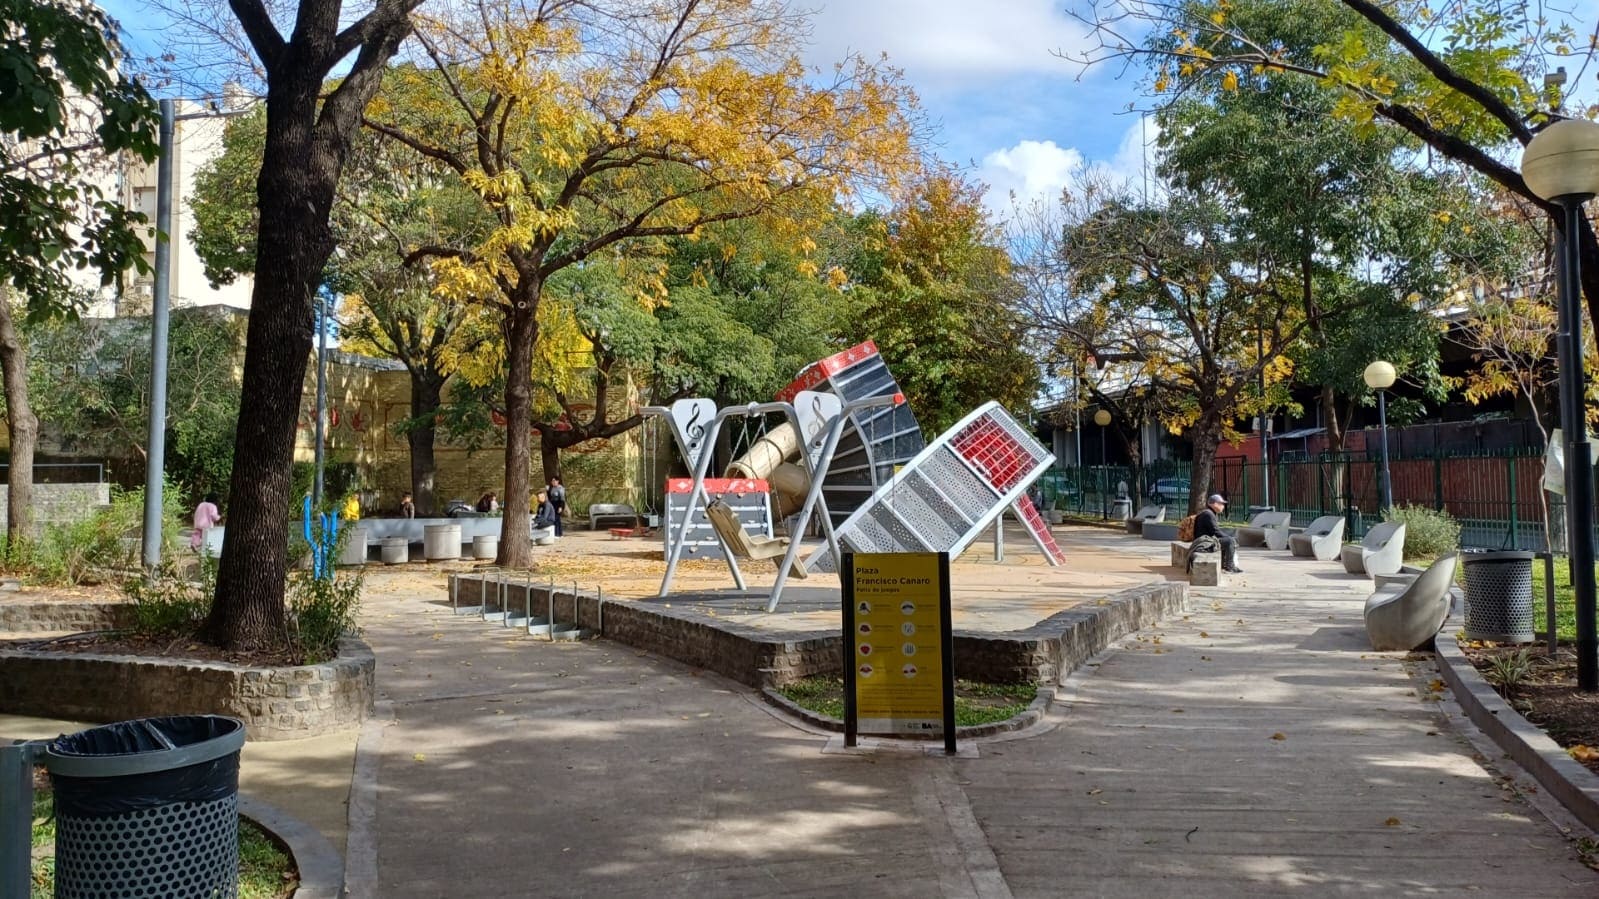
(898, 618)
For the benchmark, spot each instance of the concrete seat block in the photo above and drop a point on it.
(1206, 571)
(1179, 553)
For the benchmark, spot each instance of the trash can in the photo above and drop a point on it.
(148, 807)
(1121, 510)
(485, 546)
(395, 550)
(1498, 596)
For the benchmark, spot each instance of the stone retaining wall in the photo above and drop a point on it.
(761, 658)
(275, 703)
(61, 503)
(25, 617)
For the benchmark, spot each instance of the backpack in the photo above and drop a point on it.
(1185, 529)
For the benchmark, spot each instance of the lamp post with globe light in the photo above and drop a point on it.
(1102, 418)
(1379, 376)
(1561, 165)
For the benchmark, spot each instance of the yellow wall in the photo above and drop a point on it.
(364, 408)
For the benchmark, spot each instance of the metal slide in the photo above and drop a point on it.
(951, 492)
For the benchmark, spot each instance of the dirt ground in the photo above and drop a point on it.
(1546, 693)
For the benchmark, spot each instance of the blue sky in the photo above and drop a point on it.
(1007, 110)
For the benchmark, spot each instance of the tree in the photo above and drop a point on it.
(309, 124)
(65, 109)
(1461, 79)
(581, 126)
(386, 203)
(1362, 232)
(90, 379)
(1178, 296)
(939, 298)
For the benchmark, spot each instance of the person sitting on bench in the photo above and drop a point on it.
(1206, 525)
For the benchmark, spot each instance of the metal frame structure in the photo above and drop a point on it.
(952, 491)
(818, 417)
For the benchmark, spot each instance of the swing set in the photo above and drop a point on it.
(813, 424)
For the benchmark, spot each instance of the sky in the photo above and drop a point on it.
(1005, 108)
(1008, 109)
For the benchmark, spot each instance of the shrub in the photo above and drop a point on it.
(321, 610)
(167, 602)
(1428, 533)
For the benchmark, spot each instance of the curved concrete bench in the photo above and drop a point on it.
(1321, 540)
(1382, 552)
(1402, 617)
(1268, 529)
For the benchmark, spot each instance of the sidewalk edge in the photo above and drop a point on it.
(321, 869)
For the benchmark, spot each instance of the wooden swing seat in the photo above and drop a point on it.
(743, 544)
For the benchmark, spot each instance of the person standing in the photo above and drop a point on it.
(557, 494)
(407, 507)
(488, 503)
(1207, 524)
(206, 517)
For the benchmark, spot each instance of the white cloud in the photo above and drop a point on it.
(1031, 170)
(941, 40)
(1040, 169)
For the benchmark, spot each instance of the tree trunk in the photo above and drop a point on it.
(1207, 438)
(549, 457)
(425, 392)
(521, 332)
(1132, 442)
(1335, 439)
(295, 191)
(22, 426)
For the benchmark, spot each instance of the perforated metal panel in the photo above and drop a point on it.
(1499, 597)
(926, 511)
(180, 850)
(962, 485)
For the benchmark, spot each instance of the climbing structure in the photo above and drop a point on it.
(951, 492)
(875, 440)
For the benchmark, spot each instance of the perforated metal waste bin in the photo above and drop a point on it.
(1498, 596)
(148, 808)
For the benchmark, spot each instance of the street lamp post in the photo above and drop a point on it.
(1102, 418)
(1561, 165)
(1379, 376)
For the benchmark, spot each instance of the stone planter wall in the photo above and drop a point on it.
(761, 658)
(25, 617)
(274, 703)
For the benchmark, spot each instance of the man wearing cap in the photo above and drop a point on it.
(1206, 525)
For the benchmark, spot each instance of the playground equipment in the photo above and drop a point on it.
(876, 439)
(817, 420)
(951, 492)
(745, 499)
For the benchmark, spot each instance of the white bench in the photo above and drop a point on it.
(601, 511)
(1206, 571)
(1268, 529)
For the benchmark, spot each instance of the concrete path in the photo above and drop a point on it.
(1254, 747)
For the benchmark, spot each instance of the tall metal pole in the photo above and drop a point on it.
(1387, 479)
(1265, 424)
(155, 457)
(1579, 456)
(1104, 478)
(321, 398)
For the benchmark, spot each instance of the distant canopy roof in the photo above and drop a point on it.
(1298, 433)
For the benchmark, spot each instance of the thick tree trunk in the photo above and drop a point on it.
(295, 190)
(22, 426)
(521, 332)
(425, 393)
(1207, 438)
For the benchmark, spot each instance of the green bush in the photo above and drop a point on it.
(83, 551)
(1428, 533)
(166, 602)
(321, 610)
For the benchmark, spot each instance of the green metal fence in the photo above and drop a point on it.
(1497, 498)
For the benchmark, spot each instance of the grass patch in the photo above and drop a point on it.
(265, 870)
(1565, 604)
(975, 702)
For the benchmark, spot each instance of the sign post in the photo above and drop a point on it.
(899, 676)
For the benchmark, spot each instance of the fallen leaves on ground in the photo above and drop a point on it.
(1279, 736)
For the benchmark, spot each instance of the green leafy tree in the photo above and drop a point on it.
(938, 295)
(90, 378)
(1463, 79)
(65, 108)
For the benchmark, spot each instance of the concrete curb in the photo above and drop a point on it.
(321, 869)
(1034, 713)
(360, 872)
(1561, 776)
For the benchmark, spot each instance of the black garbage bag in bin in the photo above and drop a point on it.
(148, 807)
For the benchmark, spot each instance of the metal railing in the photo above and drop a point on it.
(1496, 497)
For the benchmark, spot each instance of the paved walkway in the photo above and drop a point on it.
(1253, 747)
